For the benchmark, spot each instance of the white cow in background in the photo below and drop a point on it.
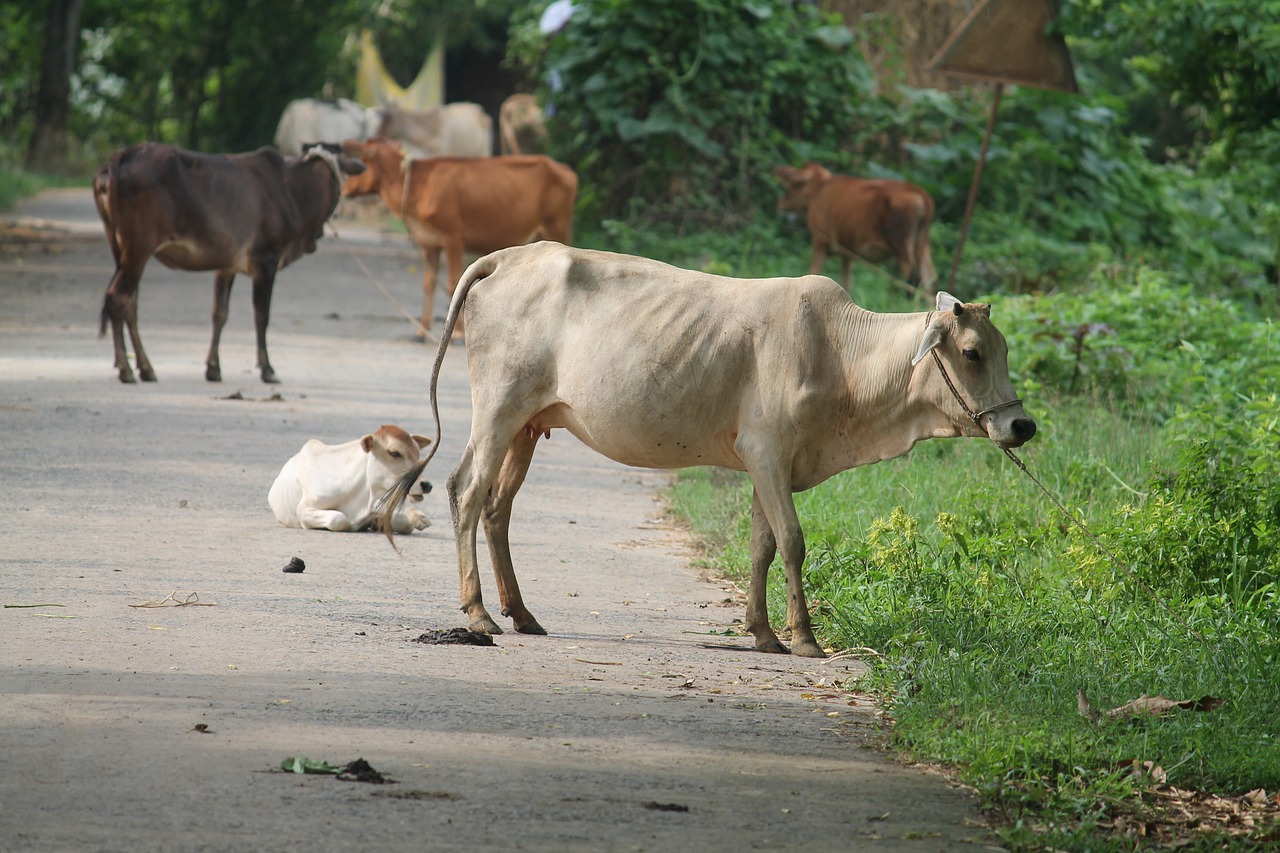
(315, 120)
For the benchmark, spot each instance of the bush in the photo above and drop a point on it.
(688, 105)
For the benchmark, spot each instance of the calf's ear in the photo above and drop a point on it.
(367, 443)
(933, 335)
(421, 440)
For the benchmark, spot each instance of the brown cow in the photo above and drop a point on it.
(252, 213)
(467, 204)
(857, 218)
(520, 125)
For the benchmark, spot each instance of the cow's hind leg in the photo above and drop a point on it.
(468, 489)
(763, 549)
(497, 528)
(120, 308)
(221, 301)
(263, 284)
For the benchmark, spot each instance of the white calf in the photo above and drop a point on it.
(336, 486)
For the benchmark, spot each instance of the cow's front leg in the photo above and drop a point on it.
(430, 277)
(497, 526)
(773, 497)
(324, 519)
(221, 301)
(453, 257)
(763, 549)
(263, 283)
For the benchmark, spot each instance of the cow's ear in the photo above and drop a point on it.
(421, 440)
(947, 302)
(933, 335)
(367, 443)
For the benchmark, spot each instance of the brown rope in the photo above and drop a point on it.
(1080, 525)
(417, 323)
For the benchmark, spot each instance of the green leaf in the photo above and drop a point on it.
(309, 765)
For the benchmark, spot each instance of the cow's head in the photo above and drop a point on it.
(381, 157)
(332, 154)
(799, 185)
(973, 355)
(392, 452)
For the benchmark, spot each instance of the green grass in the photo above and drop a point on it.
(988, 611)
(16, 185)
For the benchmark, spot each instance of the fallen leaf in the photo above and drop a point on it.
(309, 765)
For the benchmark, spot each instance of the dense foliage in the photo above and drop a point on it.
(216, 75)
(691, 103)
(1128, 236)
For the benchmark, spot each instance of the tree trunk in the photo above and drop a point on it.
(48, 150)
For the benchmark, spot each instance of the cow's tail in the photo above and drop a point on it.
(396, 495)
(924, 256)
(102, 185)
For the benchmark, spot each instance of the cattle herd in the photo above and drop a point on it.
(785, 379)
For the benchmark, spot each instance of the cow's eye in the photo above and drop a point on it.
(971, 354)
(395, 454)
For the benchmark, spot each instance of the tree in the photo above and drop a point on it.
(47, 150)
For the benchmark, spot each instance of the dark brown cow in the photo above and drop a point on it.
(466, 204)
(252, 213)
(863, 219)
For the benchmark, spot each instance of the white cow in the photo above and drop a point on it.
(337, 486)
(661, 367)
(461, 129)
(315, 120)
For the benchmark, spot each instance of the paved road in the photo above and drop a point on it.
(636, 725)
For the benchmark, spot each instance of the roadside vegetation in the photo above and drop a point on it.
(1128, 239)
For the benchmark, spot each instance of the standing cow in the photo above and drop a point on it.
(251, 213)
(309, 120)
(460, 129)
(862, 219)
(659, 367)
(521, 126)
(467, 204)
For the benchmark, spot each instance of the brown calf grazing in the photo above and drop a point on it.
(251, 213)
(862, 219)
(457, 204)
(660, 367)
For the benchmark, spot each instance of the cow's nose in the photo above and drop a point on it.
(426, 487)
(1023, 429)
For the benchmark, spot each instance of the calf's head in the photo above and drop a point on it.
(971, 370)
(799, 186)
(381, 159)
(392, 452)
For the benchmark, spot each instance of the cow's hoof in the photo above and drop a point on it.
(485, 625)
(269, 377)
(807, 649)
(146, 374)
(126, 376)
(773, 647)
(531, 627)
(213, 374)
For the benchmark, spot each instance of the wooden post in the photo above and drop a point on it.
(973, 187)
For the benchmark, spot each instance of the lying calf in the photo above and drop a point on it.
(335, 486)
